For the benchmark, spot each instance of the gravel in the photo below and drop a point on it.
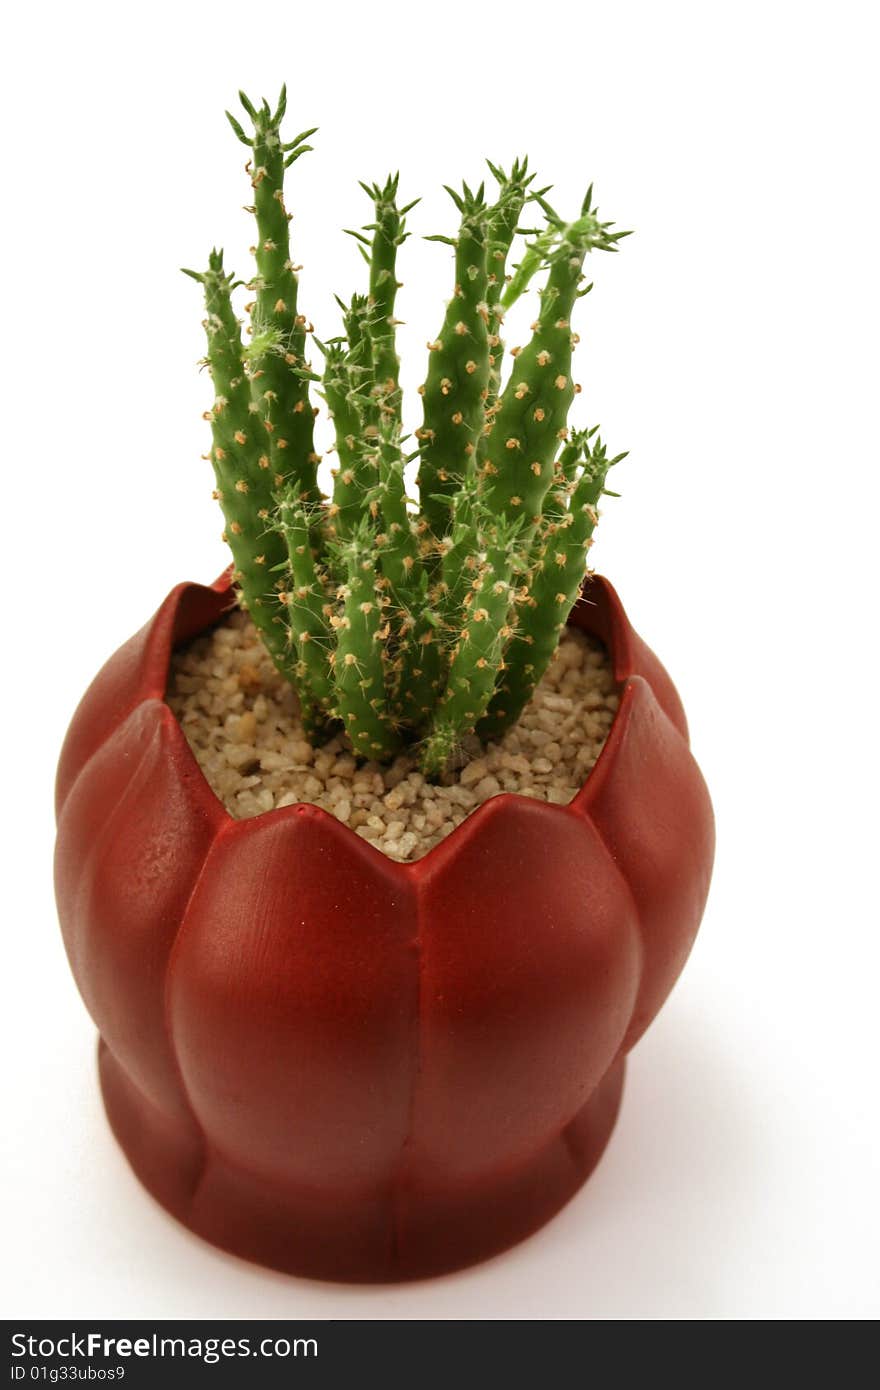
(242, 722)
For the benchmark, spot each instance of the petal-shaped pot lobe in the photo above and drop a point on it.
(649, 802)
(530, 963)
(133, 836)
(600, 613)
(293, 1000)
(137, 671)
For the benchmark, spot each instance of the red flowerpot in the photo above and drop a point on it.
(346, 1067)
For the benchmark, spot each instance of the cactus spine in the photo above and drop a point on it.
(409, 622)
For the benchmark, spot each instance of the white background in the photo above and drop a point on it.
(731, 346)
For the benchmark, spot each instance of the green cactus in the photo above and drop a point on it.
(554, 580)
(533, 407)
(414, 623)
(308, 613)
(346, 381)
(503, 220)
(240, 456)
(380, 253)
(411, 622)
(278, 330)
(359, 661)
(455, 391)
(477, 659)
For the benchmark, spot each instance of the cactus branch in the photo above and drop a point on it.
(346, 384)
(240, 457)
(388, 234)
(359, 660)
(308, 609)
(458, 372)
(553, 585)
(476, 660)
(533, 408)
(413, 649)
(277, 347)
(503, 221)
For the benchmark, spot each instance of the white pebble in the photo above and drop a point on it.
(471, 773)
(486, 787)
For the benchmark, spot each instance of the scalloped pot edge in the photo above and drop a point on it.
(346, 1067)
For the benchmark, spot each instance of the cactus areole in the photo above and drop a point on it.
(318, 1058)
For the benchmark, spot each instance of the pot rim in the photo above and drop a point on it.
(610, 625)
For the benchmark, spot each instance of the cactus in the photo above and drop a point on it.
(503, 220)
(242, 470)
(409, 622)
(532, 413)
(556, 573)
(455, 391)
(278, 330)
(380, 253)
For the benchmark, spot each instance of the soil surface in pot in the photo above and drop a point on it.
(242, 722)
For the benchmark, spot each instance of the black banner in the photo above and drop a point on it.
(123, 1354)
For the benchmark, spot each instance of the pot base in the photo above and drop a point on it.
(402, 1231)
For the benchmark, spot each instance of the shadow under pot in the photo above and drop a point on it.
(346, 1067)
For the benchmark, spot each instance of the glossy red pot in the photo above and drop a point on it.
(346, 1067)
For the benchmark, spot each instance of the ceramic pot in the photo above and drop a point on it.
(345, 1067)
